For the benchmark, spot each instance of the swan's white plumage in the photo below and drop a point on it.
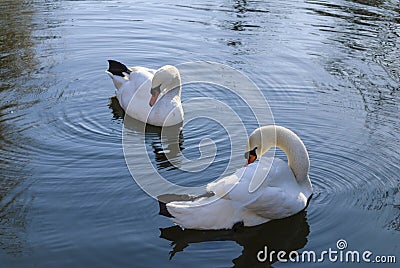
(133, 94)
(280, 195)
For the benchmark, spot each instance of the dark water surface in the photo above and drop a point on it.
(330, 72)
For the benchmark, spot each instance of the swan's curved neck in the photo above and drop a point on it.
(173, 88)
(294, 148)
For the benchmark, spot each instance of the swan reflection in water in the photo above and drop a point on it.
(166, 143)
(287, 234)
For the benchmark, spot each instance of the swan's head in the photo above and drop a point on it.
(118, 72)
(260, 141)
(165, 79)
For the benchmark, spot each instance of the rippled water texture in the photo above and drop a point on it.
(330, 72)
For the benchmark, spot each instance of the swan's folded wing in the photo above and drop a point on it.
(277, 203)
(235, 187)
(203, 213)
(275, 198)
(143, 69)
(141, 77)
(223, 186)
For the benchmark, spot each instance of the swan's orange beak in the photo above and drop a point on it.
(251, 159)
(154, 97)
(251, 156)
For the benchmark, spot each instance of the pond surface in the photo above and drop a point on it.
(330, 72)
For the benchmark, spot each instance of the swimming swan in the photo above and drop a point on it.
(284, 191)
(151, 96)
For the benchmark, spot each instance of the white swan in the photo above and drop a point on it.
(151, 96)
(285, 189)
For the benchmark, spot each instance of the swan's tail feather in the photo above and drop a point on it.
(164, 199)
(203, 213)
(117, 68)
